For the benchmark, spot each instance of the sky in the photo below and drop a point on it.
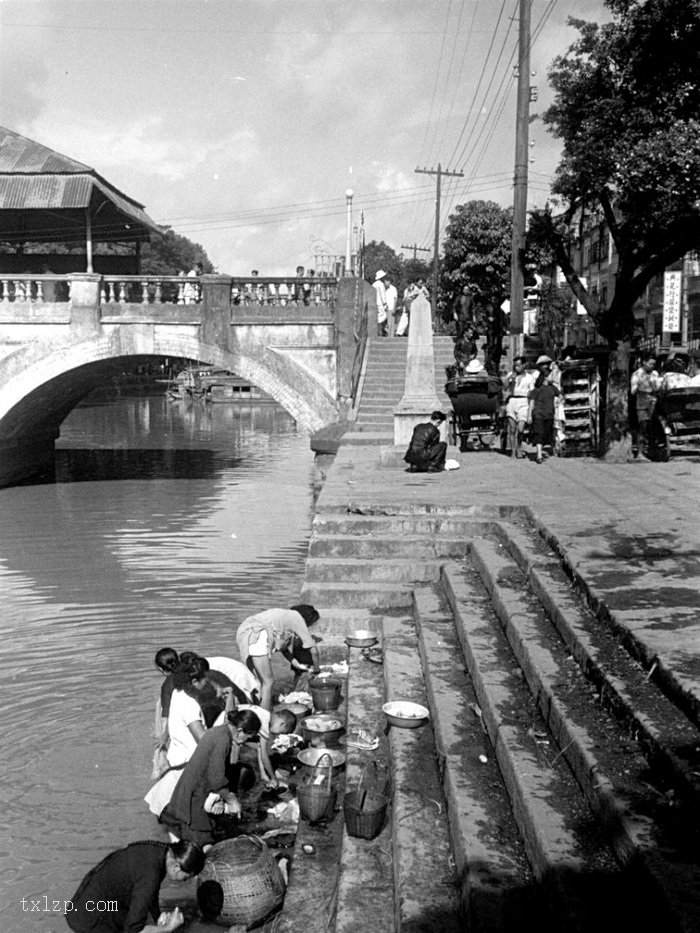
(243, 123)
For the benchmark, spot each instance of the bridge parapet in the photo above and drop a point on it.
(262, 292)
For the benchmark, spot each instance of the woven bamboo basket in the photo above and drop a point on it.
(250, 878)
(364, 810)
(317, 798)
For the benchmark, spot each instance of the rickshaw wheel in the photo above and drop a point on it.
(659, 442)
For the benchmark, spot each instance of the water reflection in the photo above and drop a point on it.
(167, 524)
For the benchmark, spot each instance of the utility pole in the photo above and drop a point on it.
(522, 119)
(436, 255)
(348, 234)
(416, 249)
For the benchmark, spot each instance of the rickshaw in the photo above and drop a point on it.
(676, 415)
(476, 410)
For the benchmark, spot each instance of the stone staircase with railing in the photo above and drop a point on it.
(555, 785)
(383, 386)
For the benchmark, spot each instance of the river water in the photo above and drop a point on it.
(168, 523)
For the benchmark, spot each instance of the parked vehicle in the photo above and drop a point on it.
(676, 417)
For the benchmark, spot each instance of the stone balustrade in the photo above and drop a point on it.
(35, 288)
(174, 289)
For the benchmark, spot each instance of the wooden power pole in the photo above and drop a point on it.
(436, 255)
(416, 249)
(522, 119)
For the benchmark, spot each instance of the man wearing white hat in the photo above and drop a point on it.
(380, 289)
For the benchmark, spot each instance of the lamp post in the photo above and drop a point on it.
(348, 239)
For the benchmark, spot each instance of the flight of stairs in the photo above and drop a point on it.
(555, 787)
(383, 387)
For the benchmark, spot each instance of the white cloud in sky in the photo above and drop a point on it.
(220, 116)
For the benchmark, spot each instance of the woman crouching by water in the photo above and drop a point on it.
(211, 779)
(125, 886)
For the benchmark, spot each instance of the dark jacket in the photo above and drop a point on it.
(423, 442)
(130, 877)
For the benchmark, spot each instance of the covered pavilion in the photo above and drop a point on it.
(48, 198)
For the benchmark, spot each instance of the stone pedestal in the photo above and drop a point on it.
(420, 397)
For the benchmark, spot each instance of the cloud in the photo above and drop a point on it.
(143, 145)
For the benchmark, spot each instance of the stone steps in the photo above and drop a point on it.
(386, 546)
(555, 783)
(383, 387)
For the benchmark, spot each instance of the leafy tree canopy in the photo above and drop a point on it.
(169, 253)
(626, 108)
(477, 251)
(381, 256)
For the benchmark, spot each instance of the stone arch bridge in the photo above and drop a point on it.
(304, 348)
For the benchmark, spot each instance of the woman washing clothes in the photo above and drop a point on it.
(130, 878)
(278, 630)
(211, 780)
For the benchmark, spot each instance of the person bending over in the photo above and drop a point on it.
(127, 881)
(283, 630)
(426, 453)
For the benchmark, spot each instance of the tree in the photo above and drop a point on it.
(477, 251)
(626, 108)
(169, 253)
(381, 256)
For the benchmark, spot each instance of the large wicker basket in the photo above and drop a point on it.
(250, 878)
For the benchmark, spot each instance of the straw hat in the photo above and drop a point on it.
(474, 366)
(543, 359)
(379, 274)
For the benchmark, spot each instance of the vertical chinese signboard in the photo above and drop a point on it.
(672, 302)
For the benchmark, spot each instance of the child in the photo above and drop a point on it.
(280, 722)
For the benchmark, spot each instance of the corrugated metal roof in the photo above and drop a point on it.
(19, 154)
(34, 177)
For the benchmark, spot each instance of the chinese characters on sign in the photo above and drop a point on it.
(672, 302)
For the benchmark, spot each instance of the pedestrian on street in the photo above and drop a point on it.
(517, 387)
(541, 412)
(644, 387)
(427, 453)
(380, 288)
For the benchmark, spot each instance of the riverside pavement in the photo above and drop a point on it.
(628, 533)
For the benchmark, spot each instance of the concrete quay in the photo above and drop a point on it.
(547, 616)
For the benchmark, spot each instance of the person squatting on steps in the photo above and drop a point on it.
(426, 453)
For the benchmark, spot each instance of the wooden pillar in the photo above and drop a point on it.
(88, 239)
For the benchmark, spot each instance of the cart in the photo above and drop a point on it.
(476, 411)
(676, 415)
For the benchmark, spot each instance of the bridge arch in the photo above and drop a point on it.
(40, 387)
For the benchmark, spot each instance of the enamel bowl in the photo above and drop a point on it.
(405, 715)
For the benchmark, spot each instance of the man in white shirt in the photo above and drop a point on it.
(392, 297)
(380, 288)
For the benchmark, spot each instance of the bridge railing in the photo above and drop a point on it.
(34, 288)
(263, 292)
(281, 291)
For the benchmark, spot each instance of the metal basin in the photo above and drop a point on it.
(362, 638)
(322, 729)
(309, 757)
